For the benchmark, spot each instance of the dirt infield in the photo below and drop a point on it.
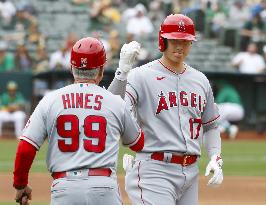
(234, 191)
(247, 135)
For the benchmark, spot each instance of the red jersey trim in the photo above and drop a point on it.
(185, 68)
(30, 141)
(211, 120)
(138, 146)
(131, 98)
(141, 197)
(138, 143)
(135, 141)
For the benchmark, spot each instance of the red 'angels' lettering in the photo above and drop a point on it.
(162, 103)
(186, 99)
(81, 100)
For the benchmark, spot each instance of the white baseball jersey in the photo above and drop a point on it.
(83, 124)
(181, 103)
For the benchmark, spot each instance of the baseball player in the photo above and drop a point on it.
(83, 124)
(174, 106)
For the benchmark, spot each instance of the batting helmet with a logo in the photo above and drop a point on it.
(88, 53)
(176, 26)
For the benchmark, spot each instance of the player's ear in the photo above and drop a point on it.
(100, 75)
(101, 70)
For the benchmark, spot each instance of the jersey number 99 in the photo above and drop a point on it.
(73, 133)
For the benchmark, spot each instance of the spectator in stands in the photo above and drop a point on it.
(127, 14)
(238, 14)
(71, 39)
(208, 4)
(111, 13)
(219, 19)
(23, 60)
(40, 60)
(115, 44)
(258, 8)
(99, 35)
(140, 24)
(24, 18)
(28, 6)
(230, 108)
(34, 35)
(6, 59)
(249, 61)
(7, 12)
(12, 108)
(103, 12)
(155, 10)
(181, 6)
(60, 59)
(114, 50)
(252, 32)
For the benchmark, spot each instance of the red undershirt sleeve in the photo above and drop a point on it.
(24, 158)
(138, 146)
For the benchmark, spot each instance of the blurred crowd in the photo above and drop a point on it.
(120, 21)
(24, 46)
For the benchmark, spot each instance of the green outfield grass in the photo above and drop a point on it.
(241, 158)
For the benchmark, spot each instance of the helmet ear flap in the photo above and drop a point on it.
(162, 45)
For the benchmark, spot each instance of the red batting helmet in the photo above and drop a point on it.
(88, 53)
(176, 26)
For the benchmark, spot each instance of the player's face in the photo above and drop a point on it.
(177, 49)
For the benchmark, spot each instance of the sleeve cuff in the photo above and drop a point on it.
(120, 75)
(30, 141)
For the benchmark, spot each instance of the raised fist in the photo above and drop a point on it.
(128, 55)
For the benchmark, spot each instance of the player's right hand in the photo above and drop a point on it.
(23, 195)
(128, 54)
(128, 161)
(215, 166)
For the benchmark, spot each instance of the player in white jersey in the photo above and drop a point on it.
(83, 124)
(175, 108)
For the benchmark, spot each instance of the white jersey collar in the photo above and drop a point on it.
(172, 71)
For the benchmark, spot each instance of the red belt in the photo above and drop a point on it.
(91, 172)
(176, 159)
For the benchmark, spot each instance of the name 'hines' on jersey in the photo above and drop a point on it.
(82, 100)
